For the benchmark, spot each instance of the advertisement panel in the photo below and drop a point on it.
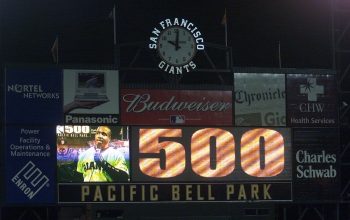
(316, 164)
(37, 91)
(175, 107)
(312, 100)
(30, 164)
(91, 96)
(197, 164)
(260, 99)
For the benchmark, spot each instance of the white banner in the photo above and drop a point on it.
(259, 99)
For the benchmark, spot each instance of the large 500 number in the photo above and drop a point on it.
(212, 153)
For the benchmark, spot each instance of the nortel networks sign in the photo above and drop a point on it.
(32, 91)
(33, 96)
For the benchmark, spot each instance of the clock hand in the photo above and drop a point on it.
(172, 43)
(177, 40)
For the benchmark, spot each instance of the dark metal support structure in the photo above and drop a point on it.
(341, 64)
(340, 42)
(142, 60)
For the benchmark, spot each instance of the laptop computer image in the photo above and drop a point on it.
(90, 87)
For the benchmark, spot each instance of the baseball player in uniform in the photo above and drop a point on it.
(102, 163)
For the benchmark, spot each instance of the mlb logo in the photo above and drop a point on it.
(30, 180)
(177, 119)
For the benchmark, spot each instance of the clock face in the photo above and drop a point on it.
(176, 46)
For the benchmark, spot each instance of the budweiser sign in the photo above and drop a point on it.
(143, 102)
(169, 107)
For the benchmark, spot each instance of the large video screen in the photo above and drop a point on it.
(92, 153)
(171, 164)
(211, 154)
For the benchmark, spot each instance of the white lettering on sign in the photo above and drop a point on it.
(32, 91)
(30, 180)
(315, 165)
(143, 102)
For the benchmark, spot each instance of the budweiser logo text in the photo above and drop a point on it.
(142, 102)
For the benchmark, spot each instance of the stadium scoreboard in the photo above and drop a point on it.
(271, 136)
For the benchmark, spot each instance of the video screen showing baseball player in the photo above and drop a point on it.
(92, 153)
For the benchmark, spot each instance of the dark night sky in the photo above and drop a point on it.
(28, 29)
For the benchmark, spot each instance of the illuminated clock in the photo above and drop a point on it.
(176, 46)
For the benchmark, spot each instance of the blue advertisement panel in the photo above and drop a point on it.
(33, 96)
(30, 164)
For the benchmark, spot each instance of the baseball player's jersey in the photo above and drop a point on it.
(90, 169)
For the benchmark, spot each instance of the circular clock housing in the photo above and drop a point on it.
(176, 46)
